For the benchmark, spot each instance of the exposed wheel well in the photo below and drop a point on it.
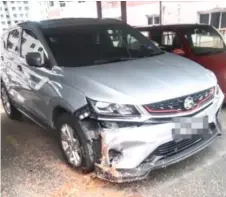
(57, 112)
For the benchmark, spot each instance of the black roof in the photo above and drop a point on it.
(65, 22)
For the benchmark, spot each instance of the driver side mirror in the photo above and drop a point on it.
(34, 59)
(180, 52)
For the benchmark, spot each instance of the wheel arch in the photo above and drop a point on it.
(57, 111)
(59, 106)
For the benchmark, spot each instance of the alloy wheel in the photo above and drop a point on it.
(71, 145)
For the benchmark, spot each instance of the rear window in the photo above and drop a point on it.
(205, 40)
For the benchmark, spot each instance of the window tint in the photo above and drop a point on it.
(30, 43)
(13, 40)
(85, 46)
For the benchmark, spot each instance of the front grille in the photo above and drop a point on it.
(171, 148)
(178, 105)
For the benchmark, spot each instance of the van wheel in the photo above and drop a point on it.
(10, 110)
(73, 143)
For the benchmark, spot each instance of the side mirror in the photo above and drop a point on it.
(34, 59)
(179, 52)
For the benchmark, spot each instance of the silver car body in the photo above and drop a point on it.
(137, 82)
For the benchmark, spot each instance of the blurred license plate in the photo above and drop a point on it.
(187, 127)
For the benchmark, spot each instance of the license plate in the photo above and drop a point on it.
(187, 127)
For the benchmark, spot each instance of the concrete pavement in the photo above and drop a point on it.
(33, 167)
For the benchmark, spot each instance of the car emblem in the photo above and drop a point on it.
(189, 103)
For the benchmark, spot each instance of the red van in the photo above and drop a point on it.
(198, 42)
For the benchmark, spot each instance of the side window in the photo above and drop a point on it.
(133, 43)
(13, 41)
(171, 39)
(115, 36)
(30, 43)
(119, 40)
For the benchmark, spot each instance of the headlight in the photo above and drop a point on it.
(113, 109)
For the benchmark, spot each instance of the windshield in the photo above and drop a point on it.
(90, 45)
(205, 40)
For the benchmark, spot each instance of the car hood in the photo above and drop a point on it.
(140, 81)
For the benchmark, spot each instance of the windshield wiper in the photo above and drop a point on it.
(112, 60)
(151, 54)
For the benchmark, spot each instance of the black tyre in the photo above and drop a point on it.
(10, 110)
(73, 143)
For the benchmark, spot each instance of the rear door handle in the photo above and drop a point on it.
(19, 67)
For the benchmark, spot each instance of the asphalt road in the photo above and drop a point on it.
(33, 167)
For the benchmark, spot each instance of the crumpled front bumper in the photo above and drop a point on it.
(137, 147)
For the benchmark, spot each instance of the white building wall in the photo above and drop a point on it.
(187, 12)
(13, 12)
(172, 12)
(75, 9)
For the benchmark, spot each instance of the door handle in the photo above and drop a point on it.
(19, 67)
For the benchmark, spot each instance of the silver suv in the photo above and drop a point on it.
(117, 103)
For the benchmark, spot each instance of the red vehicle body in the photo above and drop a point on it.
(200, 43)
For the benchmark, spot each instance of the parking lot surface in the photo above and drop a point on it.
(32, 166)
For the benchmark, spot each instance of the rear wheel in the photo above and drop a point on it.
(10, 110)
(73, 143)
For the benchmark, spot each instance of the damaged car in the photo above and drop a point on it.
(117, 104)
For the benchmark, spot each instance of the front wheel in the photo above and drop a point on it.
(73, 143)
(10, 110)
